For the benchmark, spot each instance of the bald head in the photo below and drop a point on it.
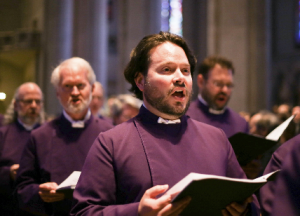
(27, 88)
(28, 103)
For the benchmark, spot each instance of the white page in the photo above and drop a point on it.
(266, 176)
(197, 176)
(71, 180)
(277, 132)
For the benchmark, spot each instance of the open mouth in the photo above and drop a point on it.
(178, 94)
(75, 100)
(221, 98)
(33, 113)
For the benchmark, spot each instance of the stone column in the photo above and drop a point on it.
(90, 35)
(99, 46)
(236, 30)
(57, 41)
(259, 49)
(195, 31)
(136, 20)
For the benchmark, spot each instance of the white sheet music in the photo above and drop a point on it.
(277, 132)
(71, 181)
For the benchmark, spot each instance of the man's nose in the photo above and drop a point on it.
(33, 103)
(225, 88)
(75, 90)
(178, 77)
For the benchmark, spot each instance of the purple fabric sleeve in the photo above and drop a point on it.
(96, 188)
(5, 180)
(287, 192)
(28, 181)
(266, 193)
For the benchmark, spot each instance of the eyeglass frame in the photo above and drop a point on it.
(221, 85)
(29, 101)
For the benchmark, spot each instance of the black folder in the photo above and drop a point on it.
(247, 147)
(210, 194)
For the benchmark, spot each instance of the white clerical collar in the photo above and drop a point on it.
(160, 120)
(79, 123)
(26, 126)
(211, 110)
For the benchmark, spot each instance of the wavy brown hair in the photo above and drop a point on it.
(211, 61)
(140, 58)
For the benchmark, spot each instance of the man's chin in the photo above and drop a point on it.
(176, 111)
(30, 120)
(76, 109)
(217, 106)
(220, 107)
(32, 116)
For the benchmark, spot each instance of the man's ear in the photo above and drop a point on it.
(15, 105)
(93, 87)
(200, 81)
(139, 81)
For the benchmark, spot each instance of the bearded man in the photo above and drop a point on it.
(215, 83)
(60, 146)
(130, 167)
(24, 114)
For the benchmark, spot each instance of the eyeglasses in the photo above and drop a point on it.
(69, 88)
(221, 85)
(29, 101)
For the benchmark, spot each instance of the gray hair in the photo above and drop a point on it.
(99, 84)
(72, 62)
(268, 121)
(125, 99)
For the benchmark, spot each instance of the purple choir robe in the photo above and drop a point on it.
(140, 153)
(266, 193)
(54, 151)
(287, 193)
(230, 122)
(105, 118)
(13, 138)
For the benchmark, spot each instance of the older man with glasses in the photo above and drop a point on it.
(215, 82)
(23, 115)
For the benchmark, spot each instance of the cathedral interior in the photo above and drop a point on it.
(261, 37)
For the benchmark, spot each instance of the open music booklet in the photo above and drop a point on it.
(210, 193)
(247, 147)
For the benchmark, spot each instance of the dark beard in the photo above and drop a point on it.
(210, 100)
(156, 99)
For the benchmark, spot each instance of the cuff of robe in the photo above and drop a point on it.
(254, 210)
(126, 209)
(5, 181)
(29, 199)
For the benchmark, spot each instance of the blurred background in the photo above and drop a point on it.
(261, 37)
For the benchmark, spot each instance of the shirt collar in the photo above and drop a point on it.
(211, 110)
(161, 120)
(79, 123)
(26, 126)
